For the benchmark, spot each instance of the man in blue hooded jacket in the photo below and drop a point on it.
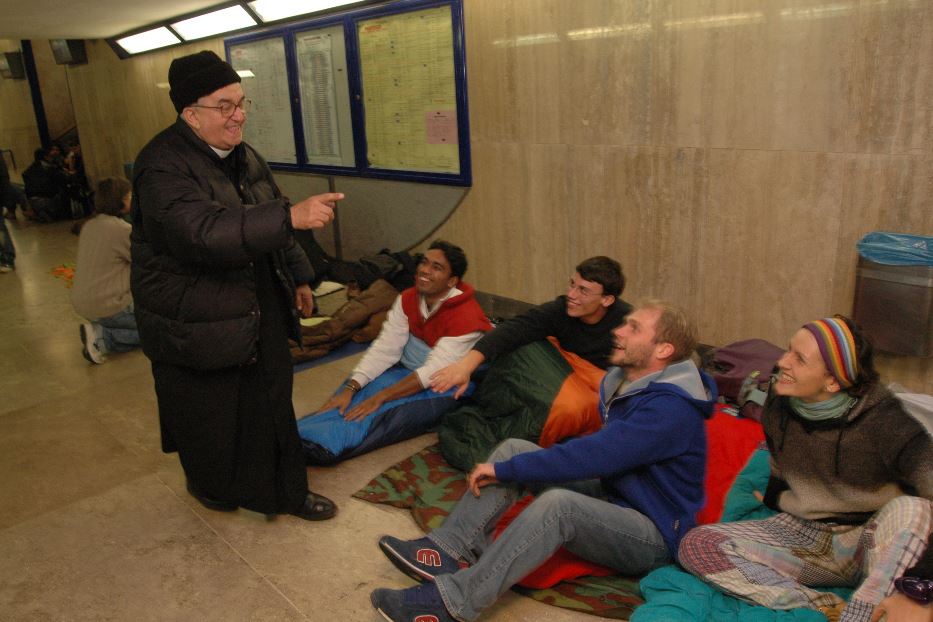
(622, 497)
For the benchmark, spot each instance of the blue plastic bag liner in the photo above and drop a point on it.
(897, 249)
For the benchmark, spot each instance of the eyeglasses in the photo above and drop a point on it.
(583, 291)
(920, 590)
(228, 108)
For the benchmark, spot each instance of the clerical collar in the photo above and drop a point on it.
(221, 153)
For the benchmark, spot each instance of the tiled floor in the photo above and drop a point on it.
(95, 523)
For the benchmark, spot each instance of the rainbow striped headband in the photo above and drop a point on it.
(837, 346)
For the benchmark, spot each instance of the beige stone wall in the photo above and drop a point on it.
(729, 152)
(56, 93)
(120, 105)
(18, 131)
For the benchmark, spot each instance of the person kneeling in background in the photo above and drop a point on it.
(101, 291)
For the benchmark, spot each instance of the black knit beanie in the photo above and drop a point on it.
(196, 75)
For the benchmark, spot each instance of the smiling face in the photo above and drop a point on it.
(433, 278)
(634, 347)
(210, 125)
(586, 300)
(802, 371)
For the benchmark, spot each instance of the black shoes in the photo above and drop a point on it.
(316, 507)
(210, 504)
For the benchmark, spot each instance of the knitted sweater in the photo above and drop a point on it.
(844, 470)
(102, 277)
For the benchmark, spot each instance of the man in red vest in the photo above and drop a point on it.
(429, 326)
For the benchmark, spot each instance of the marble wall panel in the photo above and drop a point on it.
(729, 152)
(120, 105)
(56, 94)
(490, 223)
(607, 60)
(517, 70)
(18, 130)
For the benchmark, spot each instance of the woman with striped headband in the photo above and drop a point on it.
(852, 482)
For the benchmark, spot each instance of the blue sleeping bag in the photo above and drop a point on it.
(328, 438)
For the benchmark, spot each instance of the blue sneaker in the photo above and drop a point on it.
(421, 603)
(420, 559)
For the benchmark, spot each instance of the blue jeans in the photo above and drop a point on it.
(117, 333)
(7, 250)
(574, 515)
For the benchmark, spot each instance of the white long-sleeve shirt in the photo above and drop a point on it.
(387, 349)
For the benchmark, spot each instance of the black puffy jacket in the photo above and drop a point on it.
(195, 237)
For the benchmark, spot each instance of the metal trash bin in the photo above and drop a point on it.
(894, 303)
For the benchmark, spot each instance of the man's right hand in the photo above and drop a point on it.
(315, 211)
(340, 401)
(482, 475)
(457, 374)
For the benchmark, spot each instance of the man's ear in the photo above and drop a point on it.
(453, 282)
(607, 300)
(664, 350)
(191, 117)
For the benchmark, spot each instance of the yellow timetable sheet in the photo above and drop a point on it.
(409, 91)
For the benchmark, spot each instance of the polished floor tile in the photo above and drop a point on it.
(95, 523)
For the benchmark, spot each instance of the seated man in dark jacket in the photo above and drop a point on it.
(217, 281)
(622, 497)
(44, 184)
(582, 321)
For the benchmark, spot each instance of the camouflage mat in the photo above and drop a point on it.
(429, 487)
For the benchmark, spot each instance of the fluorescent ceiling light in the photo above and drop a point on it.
(521, 40)
(717, 21)
(213, 23)
(245, 73)
(149, 40)
(271, 10)
(602, 32)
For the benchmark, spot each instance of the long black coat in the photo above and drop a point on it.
(195, 239)
(213, 279)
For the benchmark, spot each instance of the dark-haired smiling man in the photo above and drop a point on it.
(430, 325)
(218, 282)
(582, 321)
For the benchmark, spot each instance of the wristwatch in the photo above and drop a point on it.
(915, 588)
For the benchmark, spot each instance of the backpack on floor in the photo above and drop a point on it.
(742, 371)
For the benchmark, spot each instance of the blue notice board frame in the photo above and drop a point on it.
(349, 20)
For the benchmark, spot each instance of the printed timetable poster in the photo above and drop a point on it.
(269, 127)
(325, 96)
(409, 91)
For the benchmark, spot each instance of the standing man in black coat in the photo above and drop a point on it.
(218, 282)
